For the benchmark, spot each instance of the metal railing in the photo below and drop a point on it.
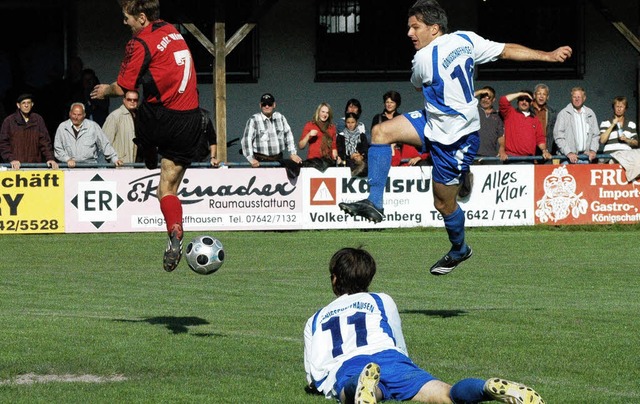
(477, 160)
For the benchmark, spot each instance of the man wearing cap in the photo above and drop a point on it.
(522, 130)
(24, 137)
(267, 134)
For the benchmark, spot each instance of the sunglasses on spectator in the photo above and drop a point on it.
(132, 99)
(267, 104)
(527, 99)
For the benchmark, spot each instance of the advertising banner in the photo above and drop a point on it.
(585, 194)
(32, 201)
(125, 200)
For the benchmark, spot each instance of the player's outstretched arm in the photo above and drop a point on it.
(102, 91)
(513, 51)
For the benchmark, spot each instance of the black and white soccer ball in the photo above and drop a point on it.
(205, 255)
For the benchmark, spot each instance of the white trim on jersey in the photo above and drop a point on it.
(351, 325)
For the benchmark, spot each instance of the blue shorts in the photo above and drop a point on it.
(449, 161)
(400, 378)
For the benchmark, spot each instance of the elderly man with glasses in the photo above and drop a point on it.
(120, 129)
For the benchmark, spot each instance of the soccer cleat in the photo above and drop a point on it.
(447, 263)
(368, 384)
(511, 392)
(173, 253)
(364, 208)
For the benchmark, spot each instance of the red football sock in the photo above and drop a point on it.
(171, 208)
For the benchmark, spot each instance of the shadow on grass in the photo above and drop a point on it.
(437, 313)
(177, 325)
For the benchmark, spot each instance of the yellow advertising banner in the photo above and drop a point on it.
(31, 201)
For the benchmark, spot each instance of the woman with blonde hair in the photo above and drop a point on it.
(320, 135)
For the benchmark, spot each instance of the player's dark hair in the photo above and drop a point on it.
(395, 97)
(352, 270)
(355, 103)
(431, 13)
(150, 8)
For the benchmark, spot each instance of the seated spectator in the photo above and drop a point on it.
(403, 155)
(576, 129)
(353, 105)
(24, 137)
(352, 147)
(267, 135)
(522, 130)
(320, 135)
(355, 351)
(120, 129)
(392, 101)
(80, 140)
(491, 124)
(618, 133)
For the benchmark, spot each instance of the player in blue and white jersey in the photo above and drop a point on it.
(448, 125)
(354, 350)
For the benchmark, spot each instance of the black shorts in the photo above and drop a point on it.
(178, 135)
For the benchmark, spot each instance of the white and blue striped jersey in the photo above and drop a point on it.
(444, 71)
(351, 325)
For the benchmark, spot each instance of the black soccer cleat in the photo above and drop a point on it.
(173, 253)
(447, 263)
(364, 208)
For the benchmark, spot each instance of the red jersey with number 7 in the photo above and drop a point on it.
(159, 60)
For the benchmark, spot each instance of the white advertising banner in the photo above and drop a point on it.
(124, 200)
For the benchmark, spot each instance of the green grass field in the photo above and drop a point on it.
(555, 308)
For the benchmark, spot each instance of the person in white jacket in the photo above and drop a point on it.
(576, 130)
(80, 140)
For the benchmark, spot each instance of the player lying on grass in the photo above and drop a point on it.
(354, 350)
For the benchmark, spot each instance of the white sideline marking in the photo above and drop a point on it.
(31, 378)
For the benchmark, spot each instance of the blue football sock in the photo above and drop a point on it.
(350, 388)
(454, 223)
(379, 162)
(469, 391)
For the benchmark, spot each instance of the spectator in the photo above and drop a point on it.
(119, 127)
(353, 105)
(392, 101)
(24, 137)
(619, 133)
(546, 115)
(404, 155)
(80, 140)
(211, 138)
(522, 130)
(352, 147)
(491, 124)
(354, 348)
(267, 135)
(576, 129)
(97, 110)
(320, 135)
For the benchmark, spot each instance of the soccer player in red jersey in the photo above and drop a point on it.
(168, 121)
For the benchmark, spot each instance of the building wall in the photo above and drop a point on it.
(287, 34)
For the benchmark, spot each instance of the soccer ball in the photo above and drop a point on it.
(205, 255)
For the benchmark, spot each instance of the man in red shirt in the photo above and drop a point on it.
(522, 130)
(168, 121)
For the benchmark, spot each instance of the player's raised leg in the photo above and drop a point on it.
(171, 176)
(396, 130)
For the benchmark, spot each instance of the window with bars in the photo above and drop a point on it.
(363, 40)
(339, 16)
